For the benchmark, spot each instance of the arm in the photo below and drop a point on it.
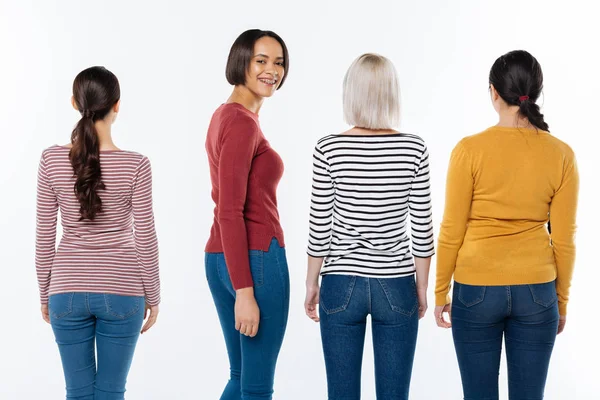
(422, 265)
(239, 143)
(459, 193)
(419, 202)
(146, 243)
(312, 287)
(320, 229)
(563, 212)
(421, 218)
(45, 235)
(321, 206)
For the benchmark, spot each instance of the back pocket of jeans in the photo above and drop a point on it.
(470, 295)
(401, 293)
(257, 266)
(544, 294)
(122, 306)
(336, 291)
(60, 305)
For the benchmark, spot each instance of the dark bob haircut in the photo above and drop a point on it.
(242, 52)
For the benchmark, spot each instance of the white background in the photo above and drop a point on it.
(170, 59)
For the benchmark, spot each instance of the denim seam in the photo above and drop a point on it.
(114, 314)
(69, 307)
(393, 307)
(538, 301)
(206, 265)
(87, 303)
(474, 302)
(219, 269)
(346, 301)
(282, 281)
(261, 267)
(369, 296)
(509, 296)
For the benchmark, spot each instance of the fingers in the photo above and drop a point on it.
(422, 311)
(439, 316)
(45, 313)
(149, 324)
(562, 321)
(150, 321)
(248, 329)
(311, 311)
(254, 330)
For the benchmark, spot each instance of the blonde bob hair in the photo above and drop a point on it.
(372, 93)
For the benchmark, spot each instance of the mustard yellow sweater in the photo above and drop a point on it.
(503, 186)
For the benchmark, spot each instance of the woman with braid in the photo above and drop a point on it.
(511, 276)
(99, 284)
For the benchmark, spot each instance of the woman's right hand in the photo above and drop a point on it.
(311, 302)
(247, 313)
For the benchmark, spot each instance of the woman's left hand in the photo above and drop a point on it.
(562, 321)
(439, 316)
(45, 313)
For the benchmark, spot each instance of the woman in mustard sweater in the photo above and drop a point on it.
(511, 276)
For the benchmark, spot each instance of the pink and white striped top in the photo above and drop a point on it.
(117, 252)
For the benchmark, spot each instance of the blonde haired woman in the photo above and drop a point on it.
(367, 182)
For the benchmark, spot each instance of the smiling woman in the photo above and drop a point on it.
(246, 265)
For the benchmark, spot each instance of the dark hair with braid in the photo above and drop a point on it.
(95, 91)
(518, 79)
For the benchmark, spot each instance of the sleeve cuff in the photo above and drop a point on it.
(311, 253)
(562, 309)
(243, 284)
(419, 254)
(441, 299)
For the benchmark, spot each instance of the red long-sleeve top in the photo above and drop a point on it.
(244, 172)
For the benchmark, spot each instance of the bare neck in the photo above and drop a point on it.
(104, 130)
(509, 117)
(242, 95)
(364, 131)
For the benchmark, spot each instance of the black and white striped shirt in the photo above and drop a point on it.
(364, 189)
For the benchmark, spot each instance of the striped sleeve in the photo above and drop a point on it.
(421, 211)
(321, 206)
(45, 238)
(146, 243)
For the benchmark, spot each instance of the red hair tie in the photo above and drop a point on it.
(523, 98)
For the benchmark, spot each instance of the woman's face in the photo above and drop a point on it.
(265, 71)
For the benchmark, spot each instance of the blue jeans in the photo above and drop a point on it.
(86, 322)
(527, 317)
(252, 360)
(344, 303)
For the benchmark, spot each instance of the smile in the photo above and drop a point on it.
(270, 82)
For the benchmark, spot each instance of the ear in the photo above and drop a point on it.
(73, 103)
(117, 106)
(494, 93)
